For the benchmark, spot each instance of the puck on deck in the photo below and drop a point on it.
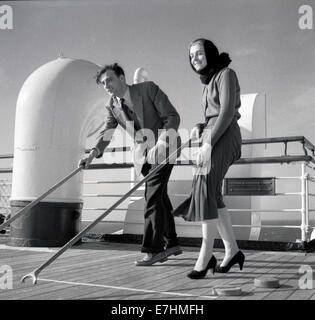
(227, 291)
(267, 282)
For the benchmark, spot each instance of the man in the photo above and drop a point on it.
(153, 118)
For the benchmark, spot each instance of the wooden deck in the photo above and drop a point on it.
(106, 271)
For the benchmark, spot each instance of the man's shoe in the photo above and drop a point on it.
(173, 251)
(152, 258)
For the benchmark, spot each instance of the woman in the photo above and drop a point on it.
(220, 103)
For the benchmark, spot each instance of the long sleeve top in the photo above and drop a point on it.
(221, 101)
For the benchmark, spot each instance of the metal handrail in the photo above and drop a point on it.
(6, 156)
(304, 159)
(304, 141)
(6, 170)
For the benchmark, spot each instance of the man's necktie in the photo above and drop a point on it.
(139, 149)
(130, 114)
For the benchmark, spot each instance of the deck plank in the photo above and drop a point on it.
(253, 266)
(270, 270)
(107, 272)
(313, 296)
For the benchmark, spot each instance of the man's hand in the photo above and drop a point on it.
(85, 162)
(203, 155)
(157, 154)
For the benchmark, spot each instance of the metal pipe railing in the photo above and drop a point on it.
(305, 178)
(304, 213)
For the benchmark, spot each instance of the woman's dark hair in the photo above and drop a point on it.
(215, 61)
(115, 67)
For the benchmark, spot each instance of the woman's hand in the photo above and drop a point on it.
(194, 135)
(204, 155)
(196, 132)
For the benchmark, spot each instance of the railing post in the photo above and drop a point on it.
(304, 202)
(307, 225)
(133, 177)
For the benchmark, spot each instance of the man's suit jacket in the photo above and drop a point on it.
(152, 108)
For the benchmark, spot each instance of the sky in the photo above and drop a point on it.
(269, 52)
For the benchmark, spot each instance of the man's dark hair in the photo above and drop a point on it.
(115, 67)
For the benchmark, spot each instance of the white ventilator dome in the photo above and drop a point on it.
(140, 75)
(56, 110)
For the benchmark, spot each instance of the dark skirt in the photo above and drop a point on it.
(206, 194)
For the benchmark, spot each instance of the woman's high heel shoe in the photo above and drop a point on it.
(194, 274)
(237, 258)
